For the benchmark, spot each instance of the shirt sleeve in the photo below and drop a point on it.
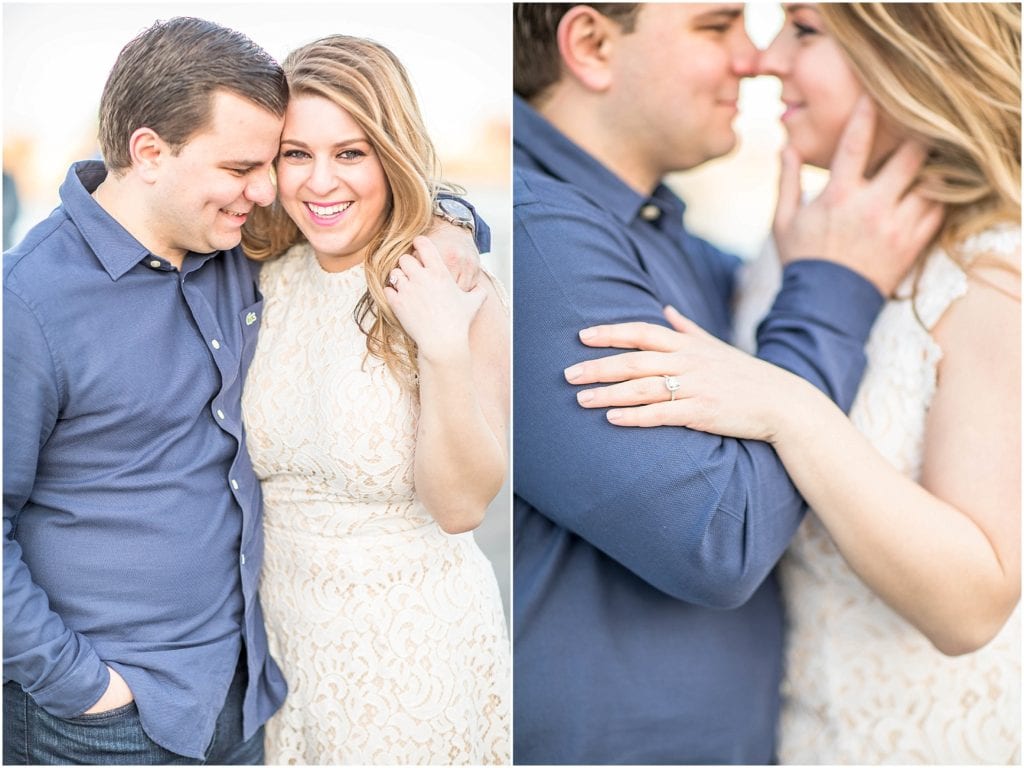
(58, 667)
(700, 517)
(818, 326)
(481, 232)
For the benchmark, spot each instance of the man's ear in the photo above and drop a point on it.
(586, 39)
(147, 150)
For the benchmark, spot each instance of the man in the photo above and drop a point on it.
(647, 622)
(133, 541)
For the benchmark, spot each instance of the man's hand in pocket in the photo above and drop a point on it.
(117, 695)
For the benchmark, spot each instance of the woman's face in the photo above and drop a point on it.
(330, 181)
(819, 88)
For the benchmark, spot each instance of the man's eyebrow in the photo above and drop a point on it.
(246, 164)
(720, 14)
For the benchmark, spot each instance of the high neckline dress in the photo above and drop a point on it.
(389, 631)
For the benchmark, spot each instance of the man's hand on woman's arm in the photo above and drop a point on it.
(460, 239)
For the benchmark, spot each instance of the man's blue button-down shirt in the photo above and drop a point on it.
(131, 512)
(648, 627)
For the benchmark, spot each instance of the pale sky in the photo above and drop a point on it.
(56, 57)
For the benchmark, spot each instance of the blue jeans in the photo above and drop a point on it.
(32, 736)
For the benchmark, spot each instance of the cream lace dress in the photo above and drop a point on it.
(861, 684)
(389, 631)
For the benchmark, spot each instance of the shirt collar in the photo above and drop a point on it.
(112, 244)
(535, 137)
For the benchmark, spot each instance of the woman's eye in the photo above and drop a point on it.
(803, 30)
(351, 154)
(294, 154)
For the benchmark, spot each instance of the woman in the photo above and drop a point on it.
(912, 555)
(376, 410)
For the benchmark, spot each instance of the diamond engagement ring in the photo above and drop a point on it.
(672, 385)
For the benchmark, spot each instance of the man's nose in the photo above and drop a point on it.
(745, 55)
(260, 190)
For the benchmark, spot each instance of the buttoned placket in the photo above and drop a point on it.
(159, 264)
(650, 212)
(227, 360)
(668, 221)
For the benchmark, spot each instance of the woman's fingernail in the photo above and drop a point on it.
(573, 372)
(614, 416)
(587, 333)
(584, 397)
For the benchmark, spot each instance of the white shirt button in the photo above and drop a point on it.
(154, 264)
(650, 212)
(234, 484)
(242, 559)
(215, 344)
(220, 414)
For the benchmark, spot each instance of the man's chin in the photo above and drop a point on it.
(225, 242)
(724, 145)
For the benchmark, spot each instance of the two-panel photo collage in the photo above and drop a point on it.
(496, 383)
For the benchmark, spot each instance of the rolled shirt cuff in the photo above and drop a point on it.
(829, 294)
(78, 688)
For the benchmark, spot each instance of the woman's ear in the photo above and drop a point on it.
(586, 41)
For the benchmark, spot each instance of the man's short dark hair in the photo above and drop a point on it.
(537, 64)
(165, 79)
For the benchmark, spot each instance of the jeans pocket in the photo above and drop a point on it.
(106, 716)
(112, 737)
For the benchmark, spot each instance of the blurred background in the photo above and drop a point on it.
(56, 57)
(730, 201)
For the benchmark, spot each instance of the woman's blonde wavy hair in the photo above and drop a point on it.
(369, 82)
(947, 74)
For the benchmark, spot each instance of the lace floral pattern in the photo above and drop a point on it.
(862, 685)
(389, 631)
